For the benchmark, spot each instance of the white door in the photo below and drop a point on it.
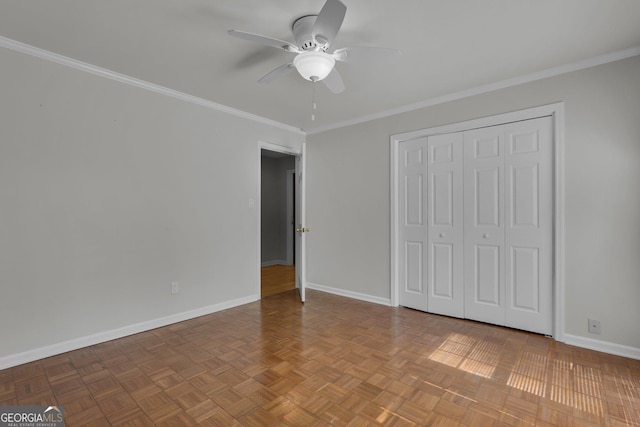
(445, 225)
(412, 224)
(475, 224)
(301, 229)
(484, 268)
(508, 225)
(528, 222)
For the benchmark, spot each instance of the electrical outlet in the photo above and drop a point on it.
(175, 288)
(594, 326)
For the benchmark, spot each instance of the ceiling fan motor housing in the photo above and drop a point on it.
(303, 33)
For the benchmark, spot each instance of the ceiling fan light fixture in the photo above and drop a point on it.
(314, 65)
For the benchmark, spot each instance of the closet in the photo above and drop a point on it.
(475, 224)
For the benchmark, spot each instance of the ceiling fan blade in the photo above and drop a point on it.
(278, 72)
(334, 82)
(270, 41)
(329, 21)
(365, 54)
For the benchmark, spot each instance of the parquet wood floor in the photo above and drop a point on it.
(277, 278)
(331, 361)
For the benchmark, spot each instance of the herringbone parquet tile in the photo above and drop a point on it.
(331, 361)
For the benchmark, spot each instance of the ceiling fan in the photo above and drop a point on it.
(313, 36)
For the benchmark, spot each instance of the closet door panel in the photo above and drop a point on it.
(484, 255)
(486, 276)
(412, 227)
(528, 209)
(445, 225)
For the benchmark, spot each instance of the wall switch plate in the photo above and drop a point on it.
(594, 326)
(175, 288)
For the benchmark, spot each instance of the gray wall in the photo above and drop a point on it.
(348, 193)
(108, 193)
(274, 221)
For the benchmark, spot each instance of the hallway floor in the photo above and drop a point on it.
(277, 278)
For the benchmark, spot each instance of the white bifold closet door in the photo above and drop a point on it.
(475, 224)
(430, 198)
(508, 225)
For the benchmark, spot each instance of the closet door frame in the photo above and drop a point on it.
(556, 112)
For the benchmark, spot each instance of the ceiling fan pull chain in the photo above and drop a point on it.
(313, 101)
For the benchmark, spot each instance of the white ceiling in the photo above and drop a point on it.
(448, 46)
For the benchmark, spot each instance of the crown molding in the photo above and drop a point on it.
(132, 81)
(515, 81)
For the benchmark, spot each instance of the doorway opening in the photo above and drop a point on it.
(277, 222)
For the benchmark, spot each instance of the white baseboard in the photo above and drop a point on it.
(74, 344)
(274, 262)
(578, 341)
(349, 294)
(63, 347)
(603, 346)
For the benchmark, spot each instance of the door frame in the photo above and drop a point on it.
(291, 220)
(299, 153)
(556, 111)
